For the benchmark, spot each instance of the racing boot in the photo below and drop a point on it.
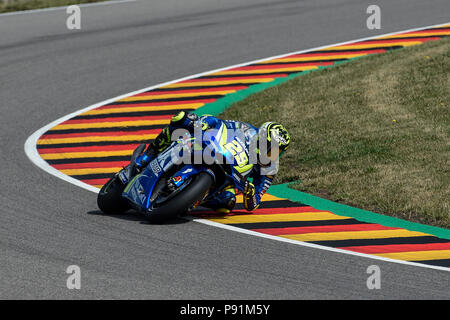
(161, 142)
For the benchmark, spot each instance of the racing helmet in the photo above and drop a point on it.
(277, 139)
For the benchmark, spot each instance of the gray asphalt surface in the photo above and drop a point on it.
(46, 224)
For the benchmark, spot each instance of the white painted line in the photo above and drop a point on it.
(103, 3)
(33, 154)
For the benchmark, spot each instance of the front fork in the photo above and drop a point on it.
(136, 163)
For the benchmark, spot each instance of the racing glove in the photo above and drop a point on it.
(253, 195)
(250, 200)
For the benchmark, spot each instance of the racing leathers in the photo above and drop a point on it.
(226, 199)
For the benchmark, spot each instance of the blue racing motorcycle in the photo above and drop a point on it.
(167, 187)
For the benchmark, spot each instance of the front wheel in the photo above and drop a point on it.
(110, 199)
(183, 201)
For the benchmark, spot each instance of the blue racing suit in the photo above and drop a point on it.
(253, 191)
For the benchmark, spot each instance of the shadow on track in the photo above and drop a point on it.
(133, 216)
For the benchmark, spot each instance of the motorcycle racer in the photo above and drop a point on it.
(276, 138)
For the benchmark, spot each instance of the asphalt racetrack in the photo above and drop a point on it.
(47, 224)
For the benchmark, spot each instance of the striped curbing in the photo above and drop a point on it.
(283, 218)
(87, 147)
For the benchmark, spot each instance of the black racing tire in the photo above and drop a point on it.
(110, 200)
(183, 201)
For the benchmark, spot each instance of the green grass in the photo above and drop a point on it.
(373, 133)
(19, 5)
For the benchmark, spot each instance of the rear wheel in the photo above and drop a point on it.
(110, 199)
(183, 201)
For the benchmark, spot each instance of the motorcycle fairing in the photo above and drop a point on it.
(140, 188)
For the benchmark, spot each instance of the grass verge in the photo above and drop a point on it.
(20, 5)
(373, 133)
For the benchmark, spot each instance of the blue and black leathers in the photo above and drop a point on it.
(226, 200)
